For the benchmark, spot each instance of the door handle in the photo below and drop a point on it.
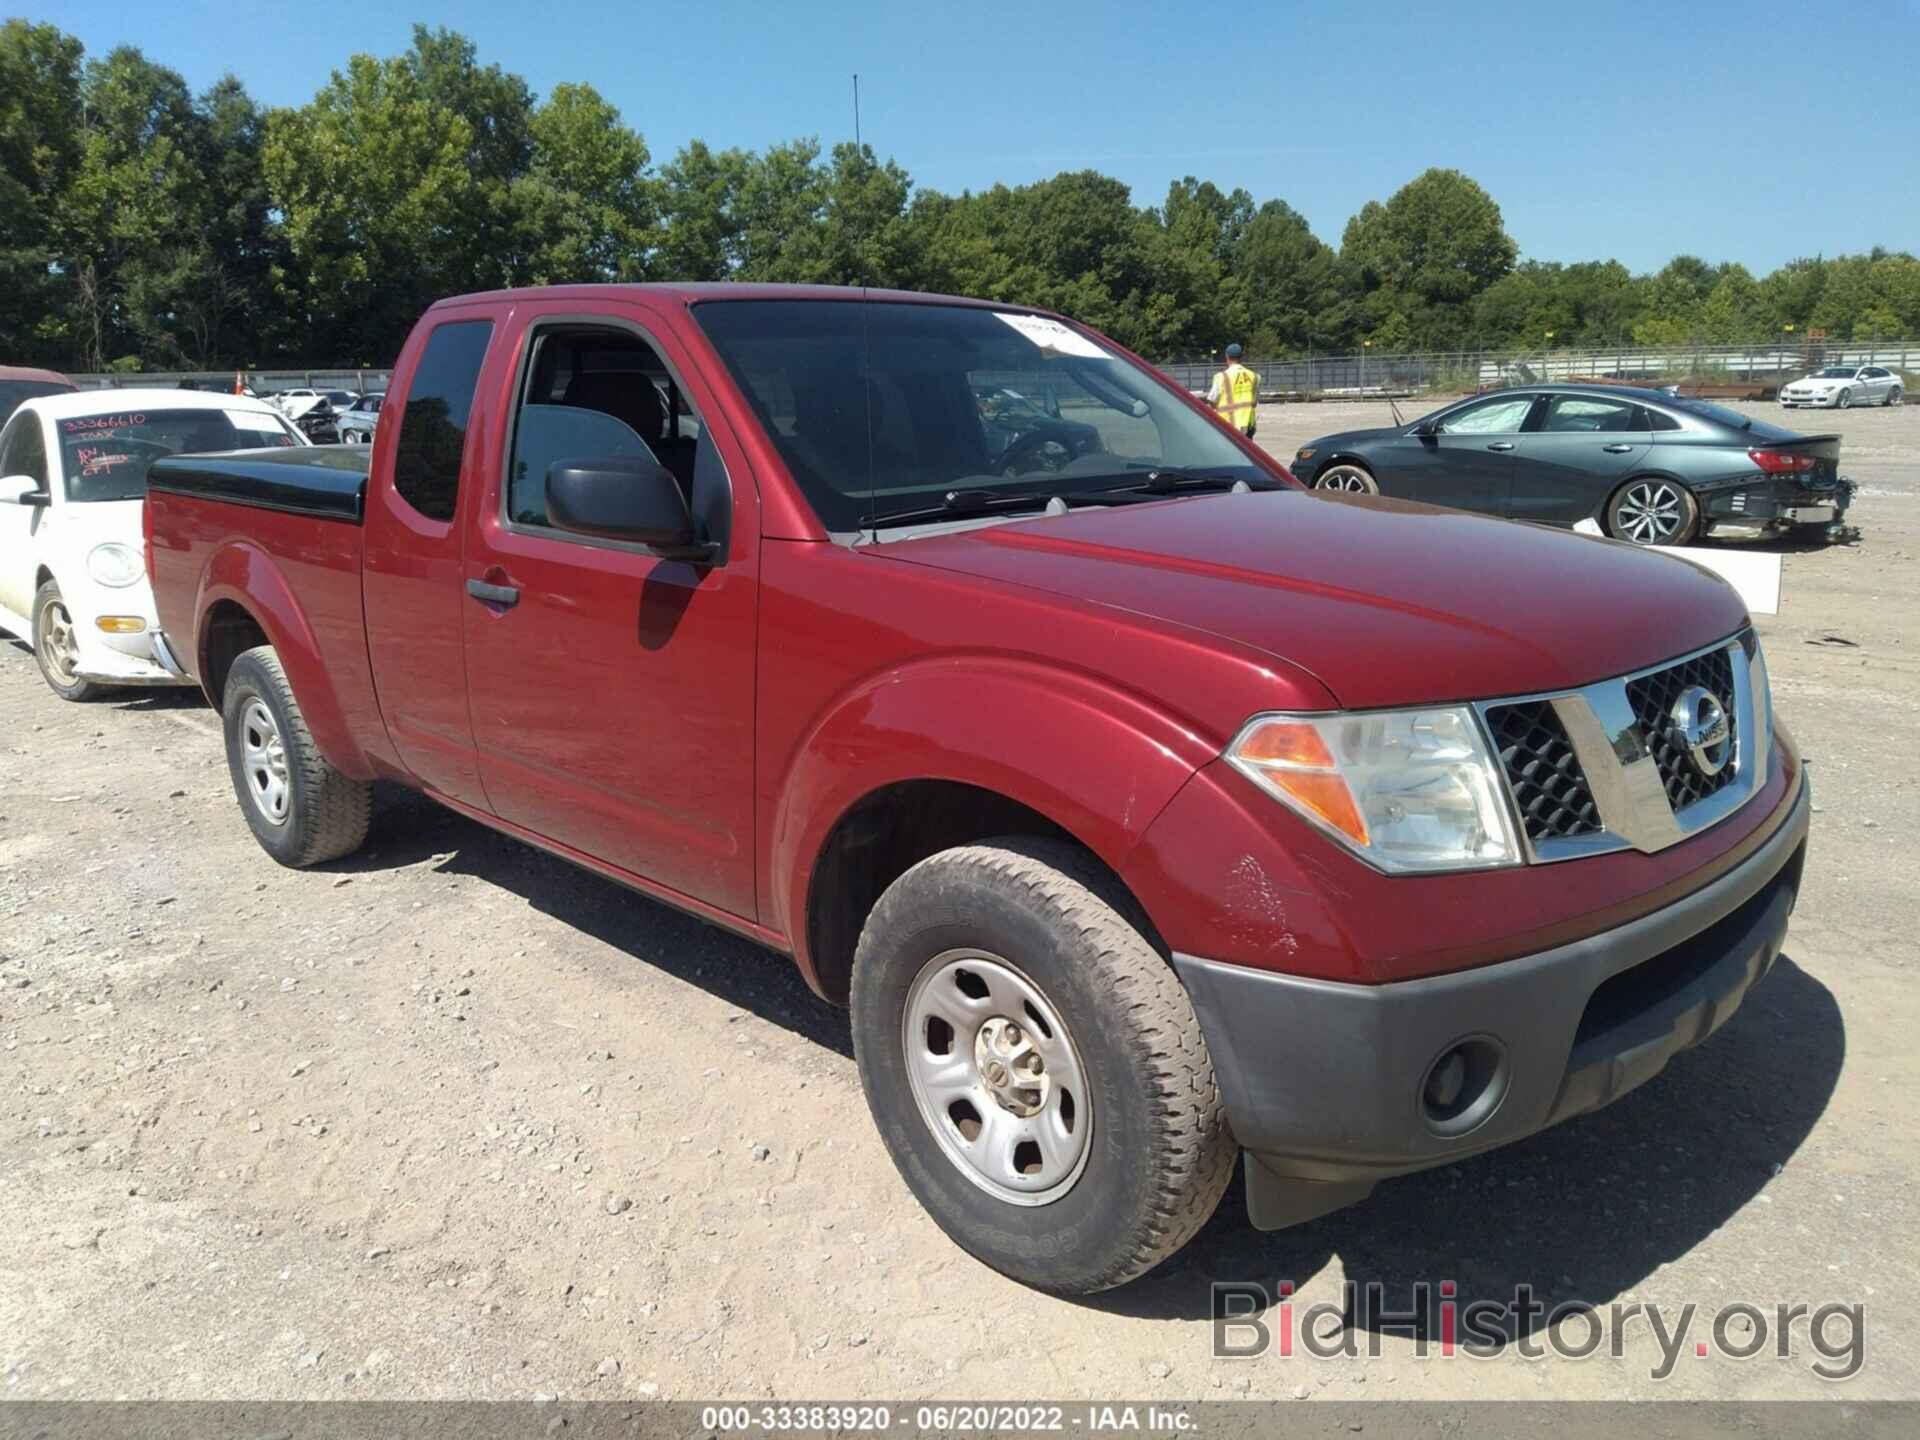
(1501, 445)
(1617, 449)
(505, 596)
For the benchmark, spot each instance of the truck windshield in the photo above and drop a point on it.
(105, 456)
(889, 412)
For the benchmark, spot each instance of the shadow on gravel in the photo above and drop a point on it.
(152, 701)
(409, 829)
(1579, 1213)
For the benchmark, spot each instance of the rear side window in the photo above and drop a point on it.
(433, 424)
(1660, 420)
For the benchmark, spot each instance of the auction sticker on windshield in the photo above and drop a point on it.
(1052, 335)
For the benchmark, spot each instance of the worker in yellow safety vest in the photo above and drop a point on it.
(1232, 393)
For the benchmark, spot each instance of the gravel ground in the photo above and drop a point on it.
(454, 1119)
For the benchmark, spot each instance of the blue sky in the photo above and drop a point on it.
(1738, 131)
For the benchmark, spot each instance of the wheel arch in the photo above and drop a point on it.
(245, 600)
(933, 776)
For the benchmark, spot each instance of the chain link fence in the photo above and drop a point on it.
(1309, 375)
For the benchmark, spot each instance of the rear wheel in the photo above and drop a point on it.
(1349, 476)
(56, 646)
(1653, 512)
(301, 810)
(1035, 1068)
(1894, 397)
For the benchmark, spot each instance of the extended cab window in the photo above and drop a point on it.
(600, 393)
(23, 451)
(433, 426)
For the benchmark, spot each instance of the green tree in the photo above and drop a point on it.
(1417, 262)
(39, 152)
(588, 207)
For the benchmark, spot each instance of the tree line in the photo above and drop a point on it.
(145, 227)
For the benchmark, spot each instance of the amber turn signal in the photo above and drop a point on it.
(121, 624)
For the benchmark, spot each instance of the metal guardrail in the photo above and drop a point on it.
(1370, 373)
(264, 382)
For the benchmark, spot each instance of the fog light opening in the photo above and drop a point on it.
(1464, 1085)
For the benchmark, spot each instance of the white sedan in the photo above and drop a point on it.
(1841, 386)
(73, 484)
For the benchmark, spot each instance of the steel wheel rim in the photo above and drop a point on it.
(59, 646)
(967, 1013)
(263, 761)
(1348, 479)
(1650, 511)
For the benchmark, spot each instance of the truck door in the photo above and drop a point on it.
(612, 690)
(412, 576)
(1581, 447)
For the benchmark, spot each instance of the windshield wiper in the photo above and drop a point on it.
(959, 504)
(1159, 480)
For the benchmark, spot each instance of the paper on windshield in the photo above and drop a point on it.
(1052, 336)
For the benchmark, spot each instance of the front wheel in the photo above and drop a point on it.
(1845, 402)
(56, 646)
(1353, 479)
(301, 809)
(1653, 512)
(1035, 1068)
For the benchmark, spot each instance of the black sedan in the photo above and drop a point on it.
(1647, 467)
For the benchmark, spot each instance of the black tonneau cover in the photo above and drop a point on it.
(328, 481)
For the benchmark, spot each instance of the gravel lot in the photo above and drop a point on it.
(452, 1119)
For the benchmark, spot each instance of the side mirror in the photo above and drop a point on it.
(1423, 429)
(629, 497)
(23, 490)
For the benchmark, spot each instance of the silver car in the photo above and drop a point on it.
(356, 423)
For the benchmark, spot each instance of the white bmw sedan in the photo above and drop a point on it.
(1843, 386)
(73, 484)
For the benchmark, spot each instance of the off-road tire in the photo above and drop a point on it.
(1161, 1152)
(74, 689)
(327, 813)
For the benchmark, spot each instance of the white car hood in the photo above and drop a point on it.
(294, 406)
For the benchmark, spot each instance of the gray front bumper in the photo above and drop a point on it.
(1323, 1081)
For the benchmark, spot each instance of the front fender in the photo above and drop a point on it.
(1095, 759)
(245, 574)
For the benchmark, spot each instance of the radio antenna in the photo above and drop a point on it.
(866, 342)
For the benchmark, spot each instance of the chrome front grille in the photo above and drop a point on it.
(1544, 776)
(1604, 768)
(1653, 698)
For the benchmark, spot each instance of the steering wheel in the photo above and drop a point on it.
(1031, 443)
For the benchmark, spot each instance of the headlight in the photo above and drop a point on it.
(115, 564)
(1408, 791)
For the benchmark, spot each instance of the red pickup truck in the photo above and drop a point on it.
(1146, 810)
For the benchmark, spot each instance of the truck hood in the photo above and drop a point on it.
(1384, 602)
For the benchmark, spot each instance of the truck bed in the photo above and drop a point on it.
(327, 481)
(273, 538)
